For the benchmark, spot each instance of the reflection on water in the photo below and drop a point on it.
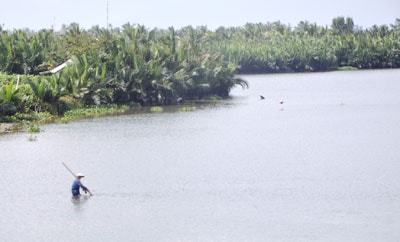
(79, 203)
(322, 166)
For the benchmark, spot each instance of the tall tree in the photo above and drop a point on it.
(340, 25)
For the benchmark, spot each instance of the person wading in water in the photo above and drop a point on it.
(76, 185)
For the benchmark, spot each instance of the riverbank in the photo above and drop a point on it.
(35, 120)
(9, 127)
(32, 122)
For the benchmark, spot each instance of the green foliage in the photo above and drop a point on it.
(33, 129)
(66, 103)
(340, 25)
(156, 109)
(273, 47)
(93, 111)
(135, 65)
(187, 109)
(44, 92)
(7, 92)
(7, 108)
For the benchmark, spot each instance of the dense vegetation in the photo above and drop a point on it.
(275, 47)
(135, 65)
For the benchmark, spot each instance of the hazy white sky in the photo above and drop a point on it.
(39, 14)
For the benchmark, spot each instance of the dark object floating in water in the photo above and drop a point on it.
(262, 97)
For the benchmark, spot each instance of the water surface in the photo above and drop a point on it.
(322, 166)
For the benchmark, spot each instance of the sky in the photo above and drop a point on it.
(45, 14)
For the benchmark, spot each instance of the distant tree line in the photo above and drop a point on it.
(276, 47)
(133, 64)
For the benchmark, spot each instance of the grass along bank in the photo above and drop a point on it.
(31, 123)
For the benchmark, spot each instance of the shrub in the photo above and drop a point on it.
(33, 129)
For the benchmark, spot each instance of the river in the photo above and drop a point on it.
(322, 166)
